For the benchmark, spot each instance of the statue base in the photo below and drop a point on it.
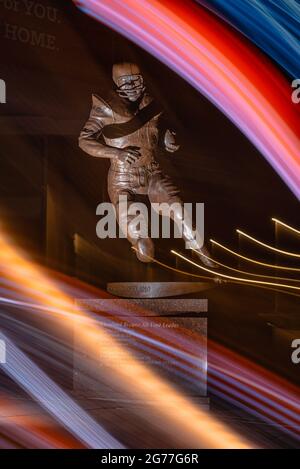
(167, 336)
(156, 289)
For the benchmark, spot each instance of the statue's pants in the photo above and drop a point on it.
(149, 180)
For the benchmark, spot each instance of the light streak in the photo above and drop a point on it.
(218, 281)
(267, 246)
(31, 378)
(248, 259)
(170, 409)
(288, 227)
(221, 65)
(238, 279)
(24, 424)
(174, 269)
(246, 272)
(191, 423)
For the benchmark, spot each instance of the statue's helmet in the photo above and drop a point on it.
(129, 80)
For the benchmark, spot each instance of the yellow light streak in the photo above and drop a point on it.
(239, 279)
(288, 227)
(248, 273)
(190, 274)
(267, 246)
(174, 269)
(254, 261)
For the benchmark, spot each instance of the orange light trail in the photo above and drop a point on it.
(171, 410)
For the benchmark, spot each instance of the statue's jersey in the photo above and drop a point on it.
(116, 112)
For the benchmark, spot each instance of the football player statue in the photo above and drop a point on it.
(125, 129)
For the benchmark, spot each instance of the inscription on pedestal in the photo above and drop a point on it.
(165, 335)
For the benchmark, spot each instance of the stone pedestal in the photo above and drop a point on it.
(168, 336)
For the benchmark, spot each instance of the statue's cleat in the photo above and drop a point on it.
(144, 249)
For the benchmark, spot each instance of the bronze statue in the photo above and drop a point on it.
(126, 130)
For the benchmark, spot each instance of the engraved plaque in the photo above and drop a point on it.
(167, 336)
